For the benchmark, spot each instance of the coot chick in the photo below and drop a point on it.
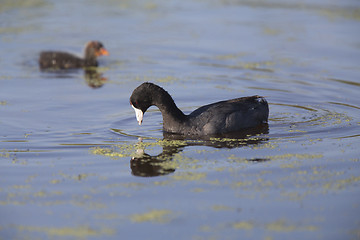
(63, 60)
(213, 119)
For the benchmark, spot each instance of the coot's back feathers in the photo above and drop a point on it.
(217, 118)
(230, 116)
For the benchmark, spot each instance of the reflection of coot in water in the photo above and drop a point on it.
(149, 166)
(93, 78)
(247, 136)
(217, 118)
(63, 60)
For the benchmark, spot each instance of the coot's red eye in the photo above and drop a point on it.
(135, 104)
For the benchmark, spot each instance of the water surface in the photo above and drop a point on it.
(72, 164)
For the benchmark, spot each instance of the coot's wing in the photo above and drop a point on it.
(229, 106)
(231, 115)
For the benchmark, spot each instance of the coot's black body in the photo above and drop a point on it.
(63, 60)
(213, 119)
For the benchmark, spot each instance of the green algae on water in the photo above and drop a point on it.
(134, 149)
(283, 226)
(189, 176)
(243, 225)
(155, 216)
(80, 232)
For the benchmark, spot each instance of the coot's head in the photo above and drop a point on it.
(141, 99)
(95, 49)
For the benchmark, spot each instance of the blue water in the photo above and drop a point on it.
(74, 164)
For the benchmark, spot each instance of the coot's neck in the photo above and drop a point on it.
(173, 117)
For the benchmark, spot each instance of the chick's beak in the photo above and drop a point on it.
(102, 52)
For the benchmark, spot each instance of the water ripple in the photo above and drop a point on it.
(319, 121)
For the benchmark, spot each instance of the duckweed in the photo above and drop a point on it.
(243, 225)
(283, 226)
(189, 176)
(75, 232)
(134, 149)
(156, 216)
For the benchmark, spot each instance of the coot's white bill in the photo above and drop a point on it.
(139, 114)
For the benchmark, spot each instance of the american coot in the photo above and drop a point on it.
(63, 60)
(213, 119)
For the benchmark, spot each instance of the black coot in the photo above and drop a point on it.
(213, 119)
(63, 60)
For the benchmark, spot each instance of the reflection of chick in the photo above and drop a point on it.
(93, 78)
